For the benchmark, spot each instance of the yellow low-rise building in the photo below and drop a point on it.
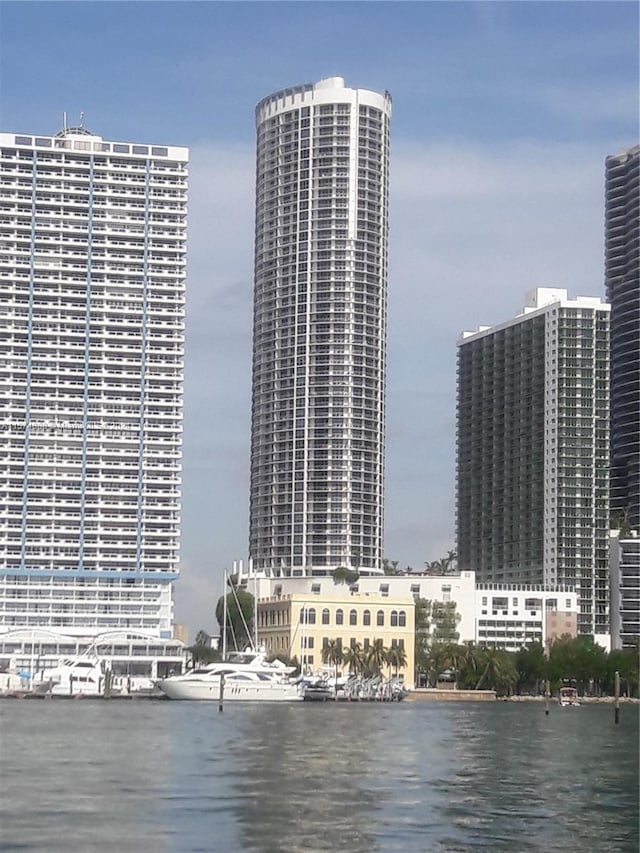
(300, 626)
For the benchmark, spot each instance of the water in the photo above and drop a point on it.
(179, 777)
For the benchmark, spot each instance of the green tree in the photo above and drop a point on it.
(376, 656)
(353, 657)
(624, 661)
(396, 658)
(344, 575)
(333, 655)
(492, 662)
(201, 650)
(445, 619)
(238, 636)
(390, 567)
(530, 665)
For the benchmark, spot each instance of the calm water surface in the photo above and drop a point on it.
(179, 777)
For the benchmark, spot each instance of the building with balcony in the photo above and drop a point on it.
(319, 330)
(622, 279)
(532, 451)
(92, 278)
(624, 564)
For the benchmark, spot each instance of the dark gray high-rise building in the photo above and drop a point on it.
(622, 279)
(319, 333)
(532, 450)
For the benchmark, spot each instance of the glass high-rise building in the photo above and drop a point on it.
(92, 284)
(319, 333)
(622, 279)
(532, 450)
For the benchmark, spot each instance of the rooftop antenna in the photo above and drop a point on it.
(64, 120)
(81, 118)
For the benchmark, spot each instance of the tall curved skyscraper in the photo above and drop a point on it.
(319, 329)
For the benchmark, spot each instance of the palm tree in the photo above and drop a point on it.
(376, 656)
(493, 667)
(353, 657)
(332, 654)
(396, 657)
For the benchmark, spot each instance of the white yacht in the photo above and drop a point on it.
(248, 677)
(80, 676)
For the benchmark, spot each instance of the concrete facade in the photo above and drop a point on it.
(319, 330)
(92, 284)
(532, 450)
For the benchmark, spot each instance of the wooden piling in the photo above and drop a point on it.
(221, 694)
(616, 711)
(547, 694)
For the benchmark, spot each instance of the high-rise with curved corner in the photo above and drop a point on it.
(319, 333)
(622, 277)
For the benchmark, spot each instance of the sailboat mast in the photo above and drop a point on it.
(224, 617)
(255, 603)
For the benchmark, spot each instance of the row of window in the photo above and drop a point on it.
(308, 617)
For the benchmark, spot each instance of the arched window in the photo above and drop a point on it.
(366, 617)
(311, 616)
(339, 617)
(402, 619)
(353, 617)
(394, 618)
(325, 616)
(380, 617)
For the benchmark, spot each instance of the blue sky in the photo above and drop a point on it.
(503, 115)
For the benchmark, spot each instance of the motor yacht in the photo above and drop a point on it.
(248, 677)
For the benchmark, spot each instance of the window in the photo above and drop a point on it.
(325, 616)
(394, 619)
(402, 619)
(120, 149)
(164, 152)
(353, 617)
(380, 617)
(311, 616)
(384, 589)
(339, 617)
(366, 617)
(140, 149)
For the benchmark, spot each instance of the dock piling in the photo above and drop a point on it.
(616, 706)
(221, 694)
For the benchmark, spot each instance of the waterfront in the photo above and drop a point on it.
(172, 777)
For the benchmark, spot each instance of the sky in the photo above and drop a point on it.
(503, 114)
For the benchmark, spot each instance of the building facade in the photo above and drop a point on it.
(319, 332)
(622, 277)
(93, 242)
(507, 616)
(302, 625)
(624, 564)
(532, 450)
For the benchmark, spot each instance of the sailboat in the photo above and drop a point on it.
(248, 675)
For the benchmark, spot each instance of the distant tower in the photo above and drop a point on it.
(92, 281)
(532, 450)
(319, 333)
(622, 279)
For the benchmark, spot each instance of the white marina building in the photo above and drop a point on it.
(92, 287)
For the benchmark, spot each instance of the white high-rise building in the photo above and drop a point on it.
(319, 334)
(533, 450)
(92, 281)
